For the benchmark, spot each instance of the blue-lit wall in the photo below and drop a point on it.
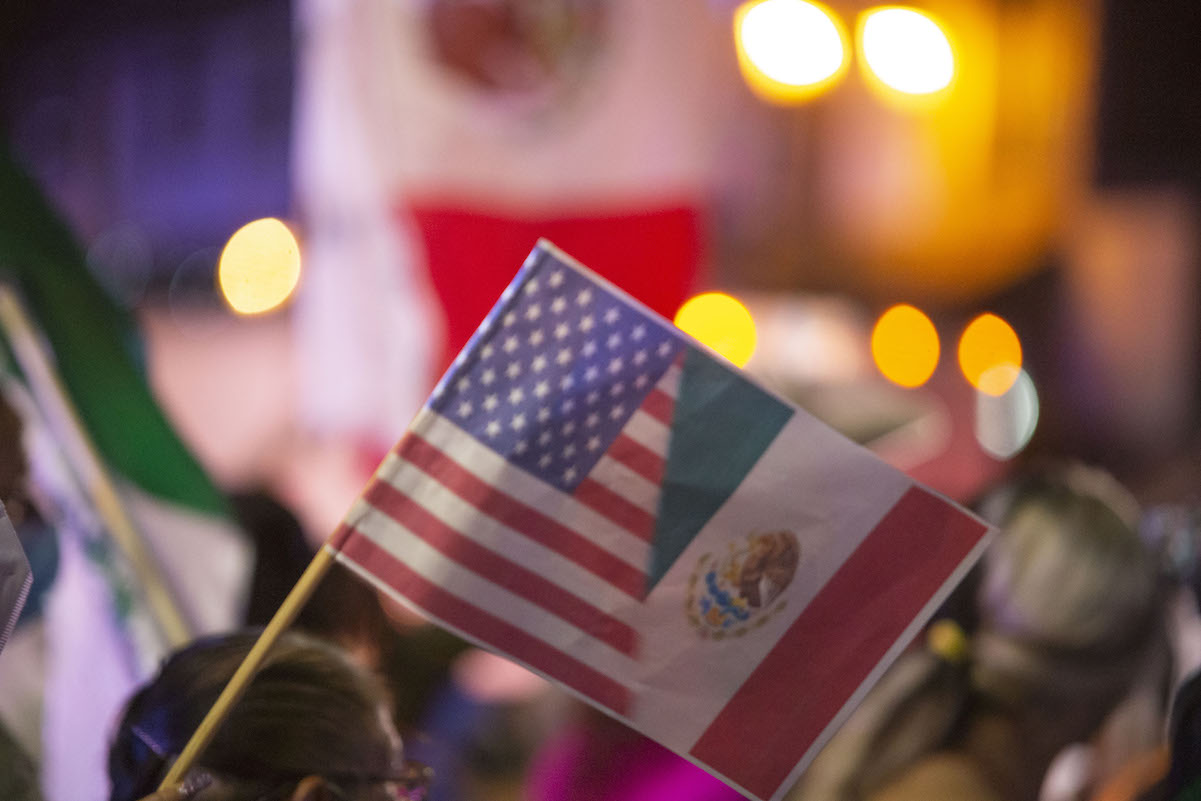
(157, 130)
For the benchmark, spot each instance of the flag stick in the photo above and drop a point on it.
(233, 691)
(48, 388)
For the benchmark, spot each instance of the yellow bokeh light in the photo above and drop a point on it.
(722, 323)
(260, 266)
(789, 50)
(905, 50)
(905, 346)
(990, 354)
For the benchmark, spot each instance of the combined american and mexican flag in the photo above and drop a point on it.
(593, 494)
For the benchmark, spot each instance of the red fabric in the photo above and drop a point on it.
(653, 254)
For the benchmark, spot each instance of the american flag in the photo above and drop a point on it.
(532, 478)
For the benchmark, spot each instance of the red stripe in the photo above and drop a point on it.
(484, 626)
(659, 405)
(520, 517)
(827, 653)
(639, 458)
(338, 538)
(605, 501)
(499, 570)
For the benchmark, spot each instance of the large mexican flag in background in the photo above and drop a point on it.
(419, 185)
(99, 634)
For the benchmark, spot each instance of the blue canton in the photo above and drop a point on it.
(555, 372)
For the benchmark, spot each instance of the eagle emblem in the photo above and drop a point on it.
(730, 594)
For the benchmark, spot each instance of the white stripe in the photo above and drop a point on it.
(648, 432)
(669, 383)
(626, 483)
(490, 467)
(478, 591)
(464, 518)
(645, 429)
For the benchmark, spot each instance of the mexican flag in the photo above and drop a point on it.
(101, 634)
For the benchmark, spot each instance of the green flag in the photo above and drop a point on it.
(99, 643)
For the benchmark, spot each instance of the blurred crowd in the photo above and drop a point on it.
(1066, 666)
(1063, 667)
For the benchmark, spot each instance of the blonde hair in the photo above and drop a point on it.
(1069, 610)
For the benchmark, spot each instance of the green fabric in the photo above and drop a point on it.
(720, 426)
(93, 341)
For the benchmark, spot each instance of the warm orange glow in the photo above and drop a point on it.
(260, 266)
(982, 166)
(905, 346)
(720, 322)
(905, 51)
(790, 50)
(990, 354)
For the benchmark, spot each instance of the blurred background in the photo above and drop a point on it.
(1031, 159)
(963, 233)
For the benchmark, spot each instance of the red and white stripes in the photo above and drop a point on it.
(624, 485)
(546, 576)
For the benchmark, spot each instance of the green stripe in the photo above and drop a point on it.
(94, 342)
(721, 425)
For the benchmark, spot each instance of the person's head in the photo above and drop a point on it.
(312, 726)
(1070, 602)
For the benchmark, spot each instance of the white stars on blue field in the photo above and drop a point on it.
(554, 381)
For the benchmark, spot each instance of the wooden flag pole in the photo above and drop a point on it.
(233, 691)
(50, 393)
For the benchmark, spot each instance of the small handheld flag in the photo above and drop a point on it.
(593, 494)
(598, 497)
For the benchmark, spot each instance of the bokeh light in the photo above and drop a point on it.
(259, 267)
(722, 323)
(1005, 423)
(789, 50)
(990, 354)
(906, 50)
(905, 346)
